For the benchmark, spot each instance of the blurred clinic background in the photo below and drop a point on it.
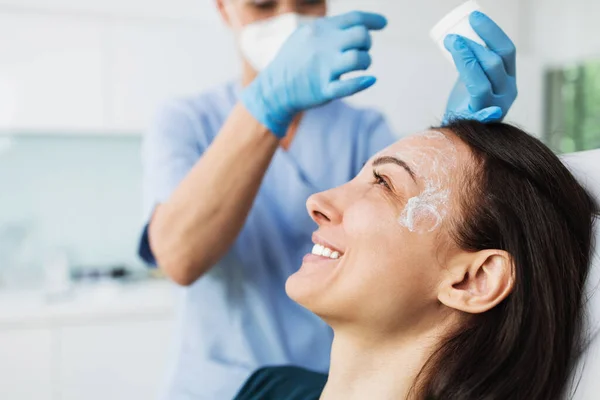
(80, 317)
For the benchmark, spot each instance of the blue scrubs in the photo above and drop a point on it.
(238, 318)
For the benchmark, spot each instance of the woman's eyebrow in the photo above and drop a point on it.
(393, 160)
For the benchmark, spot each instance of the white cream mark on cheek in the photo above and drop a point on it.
(425, 212)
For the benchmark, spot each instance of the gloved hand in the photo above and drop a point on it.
(487, 86)
(306, 72)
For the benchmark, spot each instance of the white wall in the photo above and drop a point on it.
(415, 79)
(51, 71)
(565, 31)
(191, 10)
(105, 66)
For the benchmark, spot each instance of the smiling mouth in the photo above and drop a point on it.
(323, 251)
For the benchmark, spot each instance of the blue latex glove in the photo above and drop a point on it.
(487, 86)
(306, 72)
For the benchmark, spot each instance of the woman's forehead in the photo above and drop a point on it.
(425, 139)
(425, 151)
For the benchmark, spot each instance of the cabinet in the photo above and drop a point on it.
(122, 360)
(26, 368)
(110, 344)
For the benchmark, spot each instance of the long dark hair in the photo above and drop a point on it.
(522, 199)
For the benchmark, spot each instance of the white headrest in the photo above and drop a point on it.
(586, 167)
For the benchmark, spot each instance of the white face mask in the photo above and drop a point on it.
(261, 41)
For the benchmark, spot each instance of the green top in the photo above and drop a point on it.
(283, 383)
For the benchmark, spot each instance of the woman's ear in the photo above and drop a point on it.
(477, 282)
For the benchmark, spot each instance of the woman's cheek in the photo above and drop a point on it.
(367, 218)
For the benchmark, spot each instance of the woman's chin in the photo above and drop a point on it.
(312, 281)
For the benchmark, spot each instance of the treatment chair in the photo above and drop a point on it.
(586, 380)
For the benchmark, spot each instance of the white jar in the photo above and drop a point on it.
(456, 22)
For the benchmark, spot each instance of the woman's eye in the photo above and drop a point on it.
(380, 180)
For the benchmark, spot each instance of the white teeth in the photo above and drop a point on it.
(317, 249)
(323, 251)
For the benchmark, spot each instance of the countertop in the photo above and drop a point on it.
(88, 303)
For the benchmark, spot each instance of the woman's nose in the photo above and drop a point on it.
(322, 210)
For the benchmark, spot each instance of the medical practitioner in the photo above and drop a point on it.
(227, 174)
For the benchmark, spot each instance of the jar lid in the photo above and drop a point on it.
(440, 31)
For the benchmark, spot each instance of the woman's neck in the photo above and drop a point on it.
(376, 368)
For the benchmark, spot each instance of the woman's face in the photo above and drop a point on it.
(389, 225)
(249, 11)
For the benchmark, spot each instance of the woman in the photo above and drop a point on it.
(452, 267)
(227, 172)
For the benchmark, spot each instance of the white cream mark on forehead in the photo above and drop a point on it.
(433, 161)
